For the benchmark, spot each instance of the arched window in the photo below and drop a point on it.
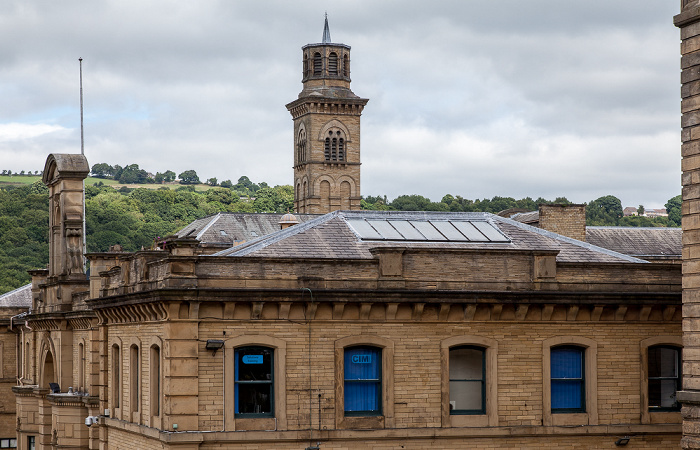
(467, 380)
(333, 64)
(334, 146)
(155, 380)
(363, 381)
(254, 382)
(301, 146)
(81, 367)
(664, 377)
(346, 66)
(318, 64)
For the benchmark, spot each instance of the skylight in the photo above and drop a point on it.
(427, 230)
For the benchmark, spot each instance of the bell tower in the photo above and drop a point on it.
(326, 131)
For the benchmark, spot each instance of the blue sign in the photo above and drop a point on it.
(362, 359)
(252, 359)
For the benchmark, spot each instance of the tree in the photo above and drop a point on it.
(606, 210)
(673, 209)
(226, 184)
(640, 210)
(188, 177)
(212, 181)
(102, 170)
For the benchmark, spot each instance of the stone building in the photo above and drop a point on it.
(351, 329)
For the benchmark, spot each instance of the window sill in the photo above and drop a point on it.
(365, 422)
(256, 424)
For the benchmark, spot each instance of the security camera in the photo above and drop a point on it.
(89, 421)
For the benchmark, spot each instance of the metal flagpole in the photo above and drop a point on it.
(82, 152)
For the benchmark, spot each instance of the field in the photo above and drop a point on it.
(18, 180)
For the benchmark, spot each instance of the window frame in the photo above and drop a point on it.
(590, 374)
(581, 351)
(489, 418)
(386, 418)
(378, 381)
(649, 416)
(482, 410)
(279, 418)
(271, 382)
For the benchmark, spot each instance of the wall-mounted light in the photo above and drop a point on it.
(214, 345)
(622, 441)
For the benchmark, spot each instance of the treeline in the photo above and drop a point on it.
(603, 211)
(133, 174)
(133, 218)
(21, 173)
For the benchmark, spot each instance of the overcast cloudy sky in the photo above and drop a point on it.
(474, 98)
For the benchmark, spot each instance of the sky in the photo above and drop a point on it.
(514, 98)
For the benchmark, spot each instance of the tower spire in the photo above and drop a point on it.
(326, 32)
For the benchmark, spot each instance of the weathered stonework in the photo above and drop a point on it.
(689, 23)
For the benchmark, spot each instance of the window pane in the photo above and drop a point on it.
(466, 364)
(362, 363)
(566, 394)
(663, 362)
(566, 363)
(254, 364)
(253, 398)
(662, 393)
(466, 395)
(361, 396)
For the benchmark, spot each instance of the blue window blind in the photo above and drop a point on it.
(567, 376)
(363, 381)
(253, 384)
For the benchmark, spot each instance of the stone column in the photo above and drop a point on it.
(689, 23)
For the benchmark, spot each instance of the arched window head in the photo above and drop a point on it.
(346, 66)
(333, 64)
(318, 64)
(334, 145)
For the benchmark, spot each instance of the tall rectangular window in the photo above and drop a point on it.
(116, 376)
(253, 382)
(363, 381)
(155, 380)
(135, 383)
(467, 380)
(567, 378)
(664, 378)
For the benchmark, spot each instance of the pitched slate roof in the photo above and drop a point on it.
(19, 298)
(638, 241)
(228, 228)
(333, 236)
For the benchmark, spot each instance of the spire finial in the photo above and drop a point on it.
(326, 32)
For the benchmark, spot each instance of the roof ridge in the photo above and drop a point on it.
(207, 226)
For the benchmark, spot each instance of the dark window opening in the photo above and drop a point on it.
(333, 64)
(346, 66)
(664, 378)
(253, 390)
(341, 149)
(318, 64)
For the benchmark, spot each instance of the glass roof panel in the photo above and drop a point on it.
(365, 231)
(428, 230)
(468, 229)
(386, 230)
(449, 231)
(490, 232)
(407, 230)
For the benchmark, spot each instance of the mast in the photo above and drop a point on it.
(82, 152)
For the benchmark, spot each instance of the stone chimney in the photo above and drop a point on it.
(567, 220)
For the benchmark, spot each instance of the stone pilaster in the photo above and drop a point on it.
(689, 23)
